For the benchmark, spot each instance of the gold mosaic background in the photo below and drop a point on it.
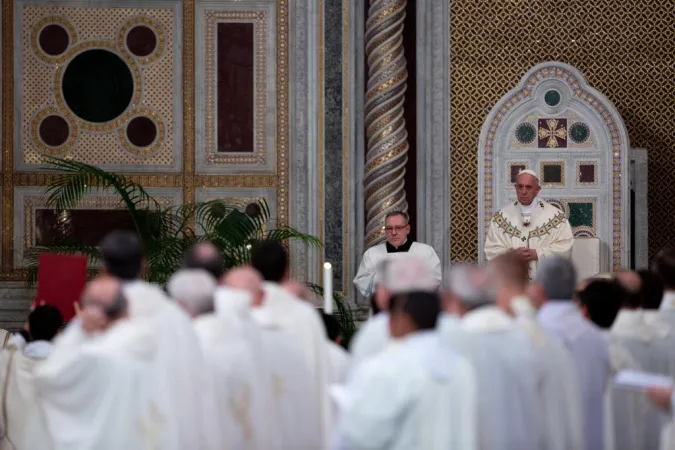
(625, 49)
(42, 81)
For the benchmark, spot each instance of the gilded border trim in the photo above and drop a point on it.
(188, 101)
(506, 226)
(548, 226)
(7, 133)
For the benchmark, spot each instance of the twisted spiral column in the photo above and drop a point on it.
(386, 135)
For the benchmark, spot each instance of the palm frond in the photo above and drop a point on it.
(288, 233)
(78, 178)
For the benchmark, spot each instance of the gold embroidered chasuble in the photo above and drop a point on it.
(549, 232)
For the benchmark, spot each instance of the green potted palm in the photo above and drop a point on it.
(166, 232)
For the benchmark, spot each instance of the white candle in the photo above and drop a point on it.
(328, 288)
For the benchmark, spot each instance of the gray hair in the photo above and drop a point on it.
(473, 285)
(194, 289)
(408, 274)
(557, 277)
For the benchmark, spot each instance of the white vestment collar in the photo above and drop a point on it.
(564, 317)
(653, 320)
(522, 306)
(630, 323)
(38, 349)
(668, 301)
(487, 319)
(529, 209)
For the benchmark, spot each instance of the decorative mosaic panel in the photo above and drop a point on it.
(101, 85)
(581, 213)
(238, 75)
(242, 198)
(626, 50)
(587, 173)
(514, 169)
(31, 218)
(562, 88)
(552, 173)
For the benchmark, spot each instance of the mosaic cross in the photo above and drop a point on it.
(552, 133)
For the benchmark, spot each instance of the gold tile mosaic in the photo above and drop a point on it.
(626, 50)
(99, 28)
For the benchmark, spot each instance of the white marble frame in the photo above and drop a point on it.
(21, 193)
(640, 180)
(501, 111)
(269, 194)
(201, 164)
(177, 89)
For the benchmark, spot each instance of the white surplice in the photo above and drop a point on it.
(370, 339)
(97, 393)
(559, 391)
(563, 320)
(339, 362)
(367, 276)
(549, 232)
(286, 314)
(179, 365)
(18, 390)
(416, 395)
(508, 377)
(631, 332)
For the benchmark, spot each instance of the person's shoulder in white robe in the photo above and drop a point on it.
(416, 395)
(370, 339)
(95, 392)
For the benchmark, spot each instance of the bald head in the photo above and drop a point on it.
(245, 279)
(105, 293)
(632, 283)
(205, 256)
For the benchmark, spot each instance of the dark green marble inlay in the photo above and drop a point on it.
(525, 133)
(579, 132)
(552, 97)
(552, 173)
(581, 214)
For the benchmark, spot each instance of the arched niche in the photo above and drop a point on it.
(556, 124)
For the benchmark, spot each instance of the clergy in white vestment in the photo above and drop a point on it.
(231, 361)
(180, 364)
(16, 375)
(291, 416)
(600, 302)
(297, 319)
(96, 389)
(397, 245)
(404, 274)
(416, 395)
(338, 356)
(559, 393)
(533, 227)
(552, 293)
(503, 355)
(664, 267)
(664, 398)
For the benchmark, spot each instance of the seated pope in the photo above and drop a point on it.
(533, 227)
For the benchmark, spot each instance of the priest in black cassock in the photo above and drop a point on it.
(398, 244)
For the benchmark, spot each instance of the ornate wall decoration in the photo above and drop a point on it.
(35, 223)
(242, 198)
(562, 88)
(99, 84)
(386, 135)
(238, 90)
(624, 49)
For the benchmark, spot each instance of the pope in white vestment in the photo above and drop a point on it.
(396, 246)
(530, 225)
